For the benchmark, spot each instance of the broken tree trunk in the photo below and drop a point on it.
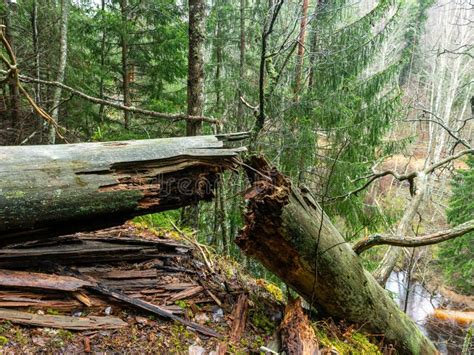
(59, 189)
(297, 334)
(288, 232)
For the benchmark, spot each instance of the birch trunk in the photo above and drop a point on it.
(61, 68)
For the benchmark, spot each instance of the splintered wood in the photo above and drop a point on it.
(64, 322)
(297, 334)
(98, 270)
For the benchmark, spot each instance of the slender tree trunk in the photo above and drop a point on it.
(125, 63)
(197, 20)
(36, 49)
(13, 88)
(240, 107)
(196, 64)
(61, 68)
(102, 63)
(300, 52)
(314, 44)
(391, 256)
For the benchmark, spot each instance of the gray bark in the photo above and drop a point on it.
(197, 32)
(61, 68)
(287, 231)
(59, 189)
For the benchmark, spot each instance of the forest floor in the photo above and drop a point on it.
(199, 286)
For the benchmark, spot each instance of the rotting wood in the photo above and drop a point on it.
(291, 236)
(62, 322)
(10, 278)
(192, 291)
(239, 315)
(55, 190)
(160, 311)
(74, 250)
(297, 334)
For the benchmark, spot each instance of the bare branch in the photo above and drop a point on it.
(410, 177)
(400, 241)
(168, 116)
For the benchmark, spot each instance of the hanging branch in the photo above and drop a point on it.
(434, 238)
(13, 74)
(96, 100)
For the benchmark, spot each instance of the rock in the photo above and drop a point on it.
(201, 318)
(196, 350)
(217, 314)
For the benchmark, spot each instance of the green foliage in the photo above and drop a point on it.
(335, 133)
(457, 255)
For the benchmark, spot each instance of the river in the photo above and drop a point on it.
(420, 306)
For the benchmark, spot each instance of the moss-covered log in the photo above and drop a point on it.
(59, 189)
(287, 231)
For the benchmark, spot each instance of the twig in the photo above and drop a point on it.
(195, 243)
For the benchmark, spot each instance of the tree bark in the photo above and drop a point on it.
(314, 44)
(125, 64)
(300, 52)
(36, 49)
(102, 62)
(196, 64)
(240, 107)
(290, 235)
(55, 190)
(392, 254)
(11, 126)
(61, 68)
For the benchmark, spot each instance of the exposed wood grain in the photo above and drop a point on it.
(288, 232)
(186, 293)
(9, 278)
(239, 315)
(63, 322)
(59, 189)
(297, 333)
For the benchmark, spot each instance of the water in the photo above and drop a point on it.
(447, 336)
(421, 302)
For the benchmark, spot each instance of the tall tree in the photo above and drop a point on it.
(63, 46)
(125, 61)
(8, 19)
(196, 32)
(301, 47)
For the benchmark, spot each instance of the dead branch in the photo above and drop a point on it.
(429, 239)
(409, 177)
(96, 100)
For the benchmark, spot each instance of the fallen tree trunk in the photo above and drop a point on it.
(59, 189)
(290, 235)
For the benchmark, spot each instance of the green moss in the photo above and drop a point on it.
(3, 341)
(14, 194)
(52, 312)
(355, 343)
